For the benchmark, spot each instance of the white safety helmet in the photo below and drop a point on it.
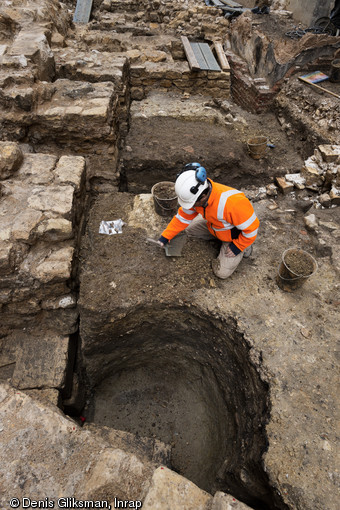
(188, 189)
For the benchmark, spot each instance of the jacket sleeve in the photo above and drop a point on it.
(179, 222)
(243, 217)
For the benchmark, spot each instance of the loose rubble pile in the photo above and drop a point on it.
(320, 174)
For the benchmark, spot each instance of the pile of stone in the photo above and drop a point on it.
(320, 174)
(41, 206)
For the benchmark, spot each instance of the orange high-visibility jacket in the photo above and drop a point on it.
(229, 214)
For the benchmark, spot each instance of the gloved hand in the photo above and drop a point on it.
(163, 241)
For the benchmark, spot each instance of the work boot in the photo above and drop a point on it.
(247, 252)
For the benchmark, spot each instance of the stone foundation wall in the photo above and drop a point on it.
(177, 77)
(41, 210)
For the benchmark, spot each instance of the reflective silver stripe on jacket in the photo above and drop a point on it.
(220, 209)
(183, 220)
(188, 211)
(246, 224)
(251, 234)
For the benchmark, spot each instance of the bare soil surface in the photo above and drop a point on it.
(168, 131)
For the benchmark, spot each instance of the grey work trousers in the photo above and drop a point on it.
(222, 266)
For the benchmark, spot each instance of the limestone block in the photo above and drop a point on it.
(133, 55)
(48, 395)
(65, 456)
(55, 267)
(297, 179)
(42, 360)
(119, 474)
(55, 229)
(32, 43)
(10, 158)
(25, 223)
(170, 491)
(312, 174)
(145, 448)
(284, 186)
(37, 168)
(330, 153)
(325, 200)
(58, 40)
(3, 48)
(57, 199)
(224, 501)
(311, 221)
(153, 56)
(70, 170)
(78, 109)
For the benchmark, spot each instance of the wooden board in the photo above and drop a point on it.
(193, 64)
(83, 11)
(223, 61)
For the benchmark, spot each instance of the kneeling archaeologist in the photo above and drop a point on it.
(210, 210)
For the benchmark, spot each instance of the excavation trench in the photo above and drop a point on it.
(185, 379)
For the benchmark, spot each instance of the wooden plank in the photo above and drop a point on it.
(318, 87)
(223, 61)
(207, 55)
(193, 64)
(83, 11)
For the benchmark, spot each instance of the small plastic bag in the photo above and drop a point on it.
(111, 227)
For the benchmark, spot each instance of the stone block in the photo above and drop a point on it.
(170, 491)
(25, 224)
(58, 40)
(312, 175)
(330, 153)
(37, 168)
(311, 222)
(224, 501)
(55, 267)
(70, 170)
(68, 460)
(48, 395)
(33, 44)
(297, 179)
(57, 199)
(10, 159)
(284, 186)
(55, 230)
(43, 360)
(325, 200)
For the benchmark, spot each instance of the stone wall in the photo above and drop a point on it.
(42, 204)
(177, 77)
